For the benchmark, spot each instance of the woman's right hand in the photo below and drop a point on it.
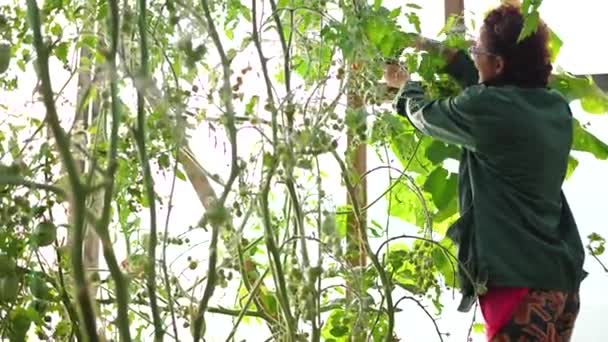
(395, 75)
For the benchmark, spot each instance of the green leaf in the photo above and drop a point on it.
(328, 227)
(438, 151)
(555, 45)
(525, 7)
(337, 326)
(246, 13)
(446, 265)
(180, 175)
(530, 25)
(229, 33)
(595, 237)
(584, 141)
(376, 229)
(442, 186)
(387, 46)
(479, 328)
(89, 40)
(414, 20)
(572, 164)
(248, 39)
(449, 25)
(593, 99)
(404, 204)
(395, 13)
(5, 57)
(143, 200)
(313, 65)
(397, 255)
(280, 76)
(231, 54)
(594, 104)
(429, 65)
(251, 104)
(341, 224)
(404, 142)
(597, 244)
(339, 331)
(407, 283)
(376, 30)
(20, 63)
(56, 30)
(269, 300)
(377, 4)
(62, 329)
(355, 120)
(443, 218)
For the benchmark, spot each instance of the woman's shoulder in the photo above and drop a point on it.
(513, 94)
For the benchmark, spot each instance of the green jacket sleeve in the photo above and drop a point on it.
(450, 120)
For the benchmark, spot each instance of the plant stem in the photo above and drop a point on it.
(386, 283)
(17, 180)
(600, 262)
(226, 96)
(299, 220)
(252, 295)
(78, 195)
(246, 271)
(164, 251)
(316, 328)
(429, 315)
(165, 241)
(65, 298)
(102, 228)
(140, 137)
(274, 255)
(61, 288)
(178, 146)
(284, 45)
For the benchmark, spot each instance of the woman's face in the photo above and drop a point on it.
(488, 64)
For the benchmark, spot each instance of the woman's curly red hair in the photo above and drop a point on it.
(528, 62)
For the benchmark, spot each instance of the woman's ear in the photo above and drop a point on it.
(499, 65)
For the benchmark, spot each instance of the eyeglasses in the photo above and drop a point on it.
(475, 51)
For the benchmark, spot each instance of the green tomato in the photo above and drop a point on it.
(39, 306)
(20, 323)
(5, 57)
(314, 273)
(7, 265)
(14, 168)
(44, 234)
(217, 215)
(9, 288)
(38, 287)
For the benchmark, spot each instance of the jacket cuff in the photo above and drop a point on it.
(411, 90)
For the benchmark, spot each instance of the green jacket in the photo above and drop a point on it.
(515, 227)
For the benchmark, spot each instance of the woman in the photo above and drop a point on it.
(517, 239)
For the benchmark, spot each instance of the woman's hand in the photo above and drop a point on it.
(395, 75)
